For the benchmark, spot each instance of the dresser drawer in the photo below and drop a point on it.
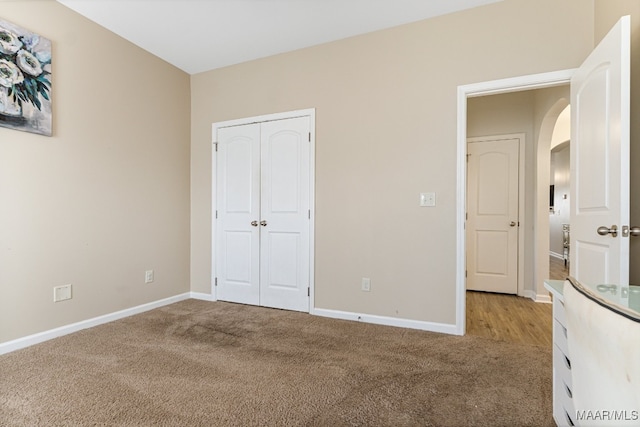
(561, 366)
(560, 337)
(558, 312)
(563, 408)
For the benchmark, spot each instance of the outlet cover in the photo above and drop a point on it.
(428, 199)
(61, 293)
(366, 284)
(148, 276)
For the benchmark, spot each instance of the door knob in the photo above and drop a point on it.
(603, 231)
(512, 224)
(634, 231)
(254, 223)
(263, 223)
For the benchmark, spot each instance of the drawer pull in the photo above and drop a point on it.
(568, 391)
(569, 420)
(567, 362)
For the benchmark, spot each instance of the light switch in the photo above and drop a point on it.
(427, 199)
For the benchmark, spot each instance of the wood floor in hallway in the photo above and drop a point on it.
(509, 318)
(557, 269)
(512, 318)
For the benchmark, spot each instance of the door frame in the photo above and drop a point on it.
(521, 191)
(311, 114)
(493, 87)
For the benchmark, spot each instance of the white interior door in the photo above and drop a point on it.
(492, 215)
(263, 247)
(600, 162)
(285, 204)
(238, 207)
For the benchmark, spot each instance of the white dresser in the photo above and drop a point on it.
(563, 409)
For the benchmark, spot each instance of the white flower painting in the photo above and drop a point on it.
(25, 80)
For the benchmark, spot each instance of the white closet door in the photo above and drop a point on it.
(285, 204)
(238, 190)
(263, 208)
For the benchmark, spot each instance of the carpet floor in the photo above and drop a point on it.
(197, 363)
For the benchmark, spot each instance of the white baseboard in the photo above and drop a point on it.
(202, 296)
(556, 255)
(20, 343)
(542, 298)
(387, 321)
(38, 338)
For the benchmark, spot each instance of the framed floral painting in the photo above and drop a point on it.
(25, 80)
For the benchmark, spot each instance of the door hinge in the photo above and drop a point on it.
(216, 145)
(308, 292)
(216, 214)
(309, 213)
(309, 136)
(465, 273)
(216, 282)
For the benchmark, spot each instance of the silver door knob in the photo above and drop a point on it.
(634, 231)
(263, 223)
(254, 223)
(512, 224)
(603, 231)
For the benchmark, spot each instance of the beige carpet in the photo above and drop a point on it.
(197, 363)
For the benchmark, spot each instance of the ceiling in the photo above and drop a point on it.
(201, 35)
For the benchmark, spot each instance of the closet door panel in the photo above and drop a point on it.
(285, 204)
(238, 203)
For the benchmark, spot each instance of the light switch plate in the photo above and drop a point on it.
(427, 199)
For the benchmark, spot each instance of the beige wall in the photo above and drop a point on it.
(607, 13)
(107, 196)
(386, 131)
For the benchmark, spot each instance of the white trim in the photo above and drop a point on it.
(522, 226)
(214, 162)
(202, 296)
(40, 337)
(535, 81)
(516, 84)
(543, 299)
(260, 119)
(556, 255)
(312, 207)
(387, 321)
(308, 112)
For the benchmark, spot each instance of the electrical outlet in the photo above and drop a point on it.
(366, 284)
(428, 199)
(148, 276)
(61, 293)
